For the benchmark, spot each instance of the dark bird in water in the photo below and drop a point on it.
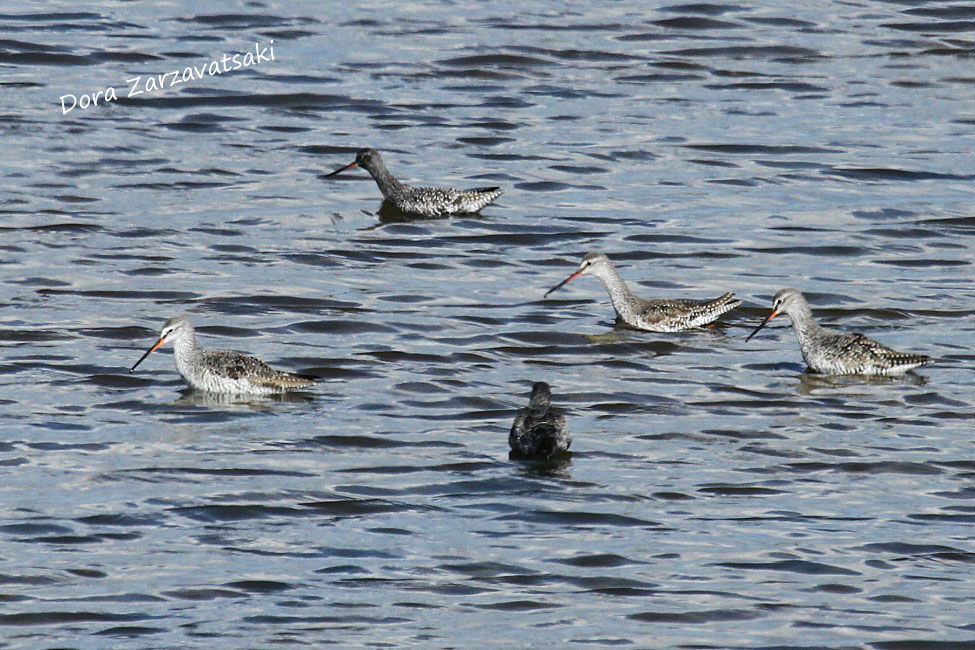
(539, 431)
(422, 201)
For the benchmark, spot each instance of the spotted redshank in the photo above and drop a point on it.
(423, 201)
(658, 315)
(539, 430)
(221, 371)
(838, 353)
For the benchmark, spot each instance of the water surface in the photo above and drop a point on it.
(717, 496)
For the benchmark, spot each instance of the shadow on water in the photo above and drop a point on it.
(811, 382)
(556, 466)
(717, 327)
(658, 342)
(612, 336)
(193, 397)
(389, 213)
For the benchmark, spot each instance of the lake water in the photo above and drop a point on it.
(716, 496)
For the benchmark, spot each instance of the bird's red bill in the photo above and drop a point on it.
(563, 282)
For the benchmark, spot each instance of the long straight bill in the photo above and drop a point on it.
(155, 347)
(771, 315)
(341, 169)
(563, 282)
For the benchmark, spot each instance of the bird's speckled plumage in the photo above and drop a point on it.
(830, 352)
(657, 315)
(539, 430)
(423, 201)
(221, 371)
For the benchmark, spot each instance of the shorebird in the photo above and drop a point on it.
(539, 430)
(423, 201)
(838, 353)
(221, 371)
(658, 315)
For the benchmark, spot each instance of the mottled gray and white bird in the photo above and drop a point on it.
(221, 371)
(423, 201)
(656, 315)
(830, 352)
(539, 431)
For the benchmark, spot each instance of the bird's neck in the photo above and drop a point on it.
(388, 185)
(805, 325)
(539, 407)
(184, 349)
(619, 294)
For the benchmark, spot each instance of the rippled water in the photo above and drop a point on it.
(716, 496)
